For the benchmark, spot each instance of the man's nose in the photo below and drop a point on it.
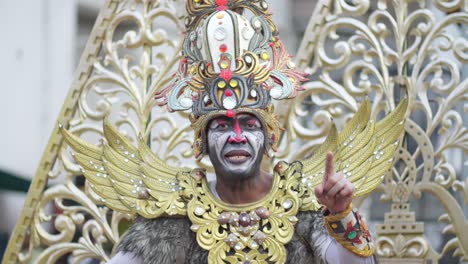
(237, 136)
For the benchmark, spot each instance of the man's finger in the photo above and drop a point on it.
(328, 166)
(332, 181)
(337, 187)
(347, 191)
(319, 191)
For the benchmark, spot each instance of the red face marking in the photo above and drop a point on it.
(221, 122)
(252, 122)
(238, 131)
(237, 128)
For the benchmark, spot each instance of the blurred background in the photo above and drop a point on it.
(42, 41)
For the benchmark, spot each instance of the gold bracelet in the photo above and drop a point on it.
(339, 216)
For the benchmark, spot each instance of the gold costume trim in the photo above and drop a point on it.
(337, 217)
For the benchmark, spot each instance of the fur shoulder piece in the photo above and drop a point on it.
(163, 240)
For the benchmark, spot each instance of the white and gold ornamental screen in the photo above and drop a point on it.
(353, 50)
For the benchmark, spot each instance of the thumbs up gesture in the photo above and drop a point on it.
(335, 192)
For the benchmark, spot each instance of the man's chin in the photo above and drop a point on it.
(239, 171)
(238, 166)
(240, 174)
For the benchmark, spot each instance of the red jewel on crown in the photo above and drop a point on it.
(230, 114)
(228, 93)
(222, 2)
(223, 48)
(226, 75)
(221, 5)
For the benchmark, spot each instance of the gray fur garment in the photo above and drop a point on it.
(170, 240)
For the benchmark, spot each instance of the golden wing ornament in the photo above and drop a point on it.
(363, 151)
(129, 179)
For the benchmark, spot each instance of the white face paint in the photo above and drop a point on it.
(236, 146)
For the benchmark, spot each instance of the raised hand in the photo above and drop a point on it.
(335, 192)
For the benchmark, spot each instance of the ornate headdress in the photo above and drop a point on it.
(231, 65)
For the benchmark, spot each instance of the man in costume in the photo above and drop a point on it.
(232, 69)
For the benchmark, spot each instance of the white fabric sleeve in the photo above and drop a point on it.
(320, 244)
(335, 253)
(125, 258)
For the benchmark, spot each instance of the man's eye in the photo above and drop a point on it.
(252, 126)
(223, 126)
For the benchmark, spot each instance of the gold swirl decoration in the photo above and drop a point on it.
(382, 50)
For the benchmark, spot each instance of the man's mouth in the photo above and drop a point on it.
(237, 156)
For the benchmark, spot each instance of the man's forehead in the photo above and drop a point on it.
(244, 116)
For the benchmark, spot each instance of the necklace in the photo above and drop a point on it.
(255, 232)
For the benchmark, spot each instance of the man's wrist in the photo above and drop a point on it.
(337, 215)
(349, 229)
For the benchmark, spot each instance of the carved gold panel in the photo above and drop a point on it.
(382, 50)
(387, 50)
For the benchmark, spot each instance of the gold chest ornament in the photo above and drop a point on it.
(250, 233)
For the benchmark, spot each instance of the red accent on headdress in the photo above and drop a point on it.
(223, 48)
(228, 93)
(222, 5)
(226, 74)
(230, 114)
(222, 2)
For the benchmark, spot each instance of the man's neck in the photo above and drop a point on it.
(244, 191)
